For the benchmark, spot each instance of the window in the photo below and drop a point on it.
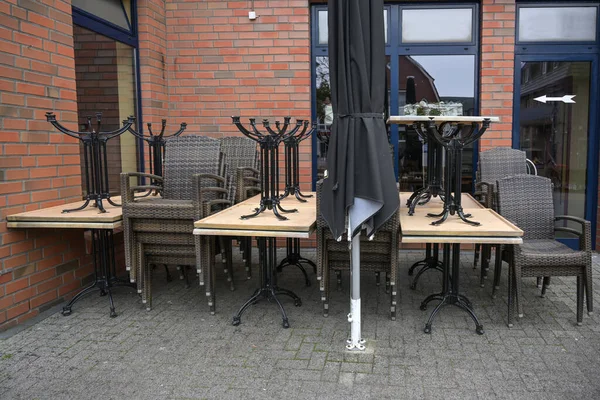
(105, 50)
(323, 26)
(105, 79)
(437, 25)
(557, 24)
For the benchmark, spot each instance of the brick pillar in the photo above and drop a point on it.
(497, 69)
(39, 166)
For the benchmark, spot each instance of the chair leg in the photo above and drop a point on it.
(377, 278)
(387, 282)
(545, 281)
(580, 300)
(485, 263)
(476, 256)
(589, 292)
(497, 270)
(248, 256)
(518, 291)
(511, 304)
(228, 251)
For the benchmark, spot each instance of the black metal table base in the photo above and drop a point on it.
(431, 261)
(450, 294)
(271, 204)
(269, 161)
(457, 300)
(294, 258)
(105, 289)
(269, 289)
(104, 271)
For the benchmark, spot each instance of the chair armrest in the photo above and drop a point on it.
(201, 189)
(244, 182)
(128, 191)
(486, 192)
(571, 218)
(585, 235)
(143, 174)
(249, 169)
(209, 205)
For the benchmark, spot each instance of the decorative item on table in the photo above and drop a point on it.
(423, 108)
(94, 158)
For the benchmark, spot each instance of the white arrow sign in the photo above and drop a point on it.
(568, 98)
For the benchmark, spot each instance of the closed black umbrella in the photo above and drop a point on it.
(360, 182)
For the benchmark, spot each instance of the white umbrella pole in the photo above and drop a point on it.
(355, 342)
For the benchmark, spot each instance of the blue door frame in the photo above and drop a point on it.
(591, 195)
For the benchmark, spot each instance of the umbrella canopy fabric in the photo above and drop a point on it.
(360, 174)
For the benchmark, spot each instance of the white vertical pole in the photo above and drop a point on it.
(355, 342)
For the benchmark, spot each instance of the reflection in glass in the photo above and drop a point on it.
(555, 134)
(432, 85)
(437, 25)
(323, 26)
(105, 80)
(557, 24)
(324, 112)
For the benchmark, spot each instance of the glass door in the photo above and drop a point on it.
(557, 130)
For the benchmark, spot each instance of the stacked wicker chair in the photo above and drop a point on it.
(159, 230)
(495, 164)
(242, 157)
(527, 201)
(377, 255)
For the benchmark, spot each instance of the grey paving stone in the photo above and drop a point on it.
(180, 351)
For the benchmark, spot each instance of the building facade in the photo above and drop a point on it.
(201, 62)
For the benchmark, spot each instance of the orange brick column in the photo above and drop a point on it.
(39, 166)
(497, 69)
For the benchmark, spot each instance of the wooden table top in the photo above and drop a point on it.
(409, 119)
(53, 217)
(466, 200)
(228, 223)
(494, 228)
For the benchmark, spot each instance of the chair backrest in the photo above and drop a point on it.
(499, 162)
(527, 201)
(240, 151)
(184, 157)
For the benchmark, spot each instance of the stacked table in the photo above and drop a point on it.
(266, 227)
(101, 225)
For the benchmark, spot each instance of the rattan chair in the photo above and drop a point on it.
(377, 255)
(159, 230)
(242, 158)
(494, 164)
(527, 201)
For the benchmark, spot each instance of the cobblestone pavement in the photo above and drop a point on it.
(179, 351)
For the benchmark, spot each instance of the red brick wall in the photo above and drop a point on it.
(39, 166)
(222, 64)
(153, 62)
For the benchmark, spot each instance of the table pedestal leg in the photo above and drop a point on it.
(104, 270)
(269, 289)
(449, 294)
(431, 261)
(294, 258)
